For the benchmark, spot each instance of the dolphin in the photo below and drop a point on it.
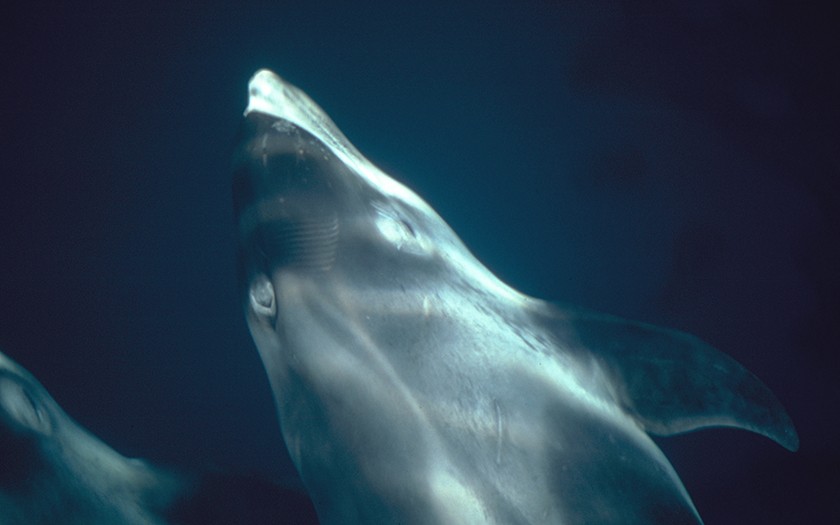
(54, 471)
(414, 387)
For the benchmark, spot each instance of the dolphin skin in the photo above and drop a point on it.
(414, 387)
(52, 471)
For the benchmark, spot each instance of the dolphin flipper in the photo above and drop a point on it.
(672, 382)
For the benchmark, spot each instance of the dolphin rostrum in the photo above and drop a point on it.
(414, 387)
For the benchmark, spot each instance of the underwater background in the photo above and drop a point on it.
(669, 161)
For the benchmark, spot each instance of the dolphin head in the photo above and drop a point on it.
(326, 243)
(308, 203)
(319, 223)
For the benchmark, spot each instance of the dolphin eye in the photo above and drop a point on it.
(22, 406)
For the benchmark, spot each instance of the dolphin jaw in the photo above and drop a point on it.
(268, 93)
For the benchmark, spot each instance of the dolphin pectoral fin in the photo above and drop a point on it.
(672, 382)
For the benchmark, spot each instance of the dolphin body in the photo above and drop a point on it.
(414, 387)
(54, 471)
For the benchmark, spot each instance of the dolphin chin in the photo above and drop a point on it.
(413, 386)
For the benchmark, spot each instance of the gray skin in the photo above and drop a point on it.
(53, 471)
(414, 387)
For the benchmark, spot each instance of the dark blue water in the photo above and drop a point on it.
(656, 160)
